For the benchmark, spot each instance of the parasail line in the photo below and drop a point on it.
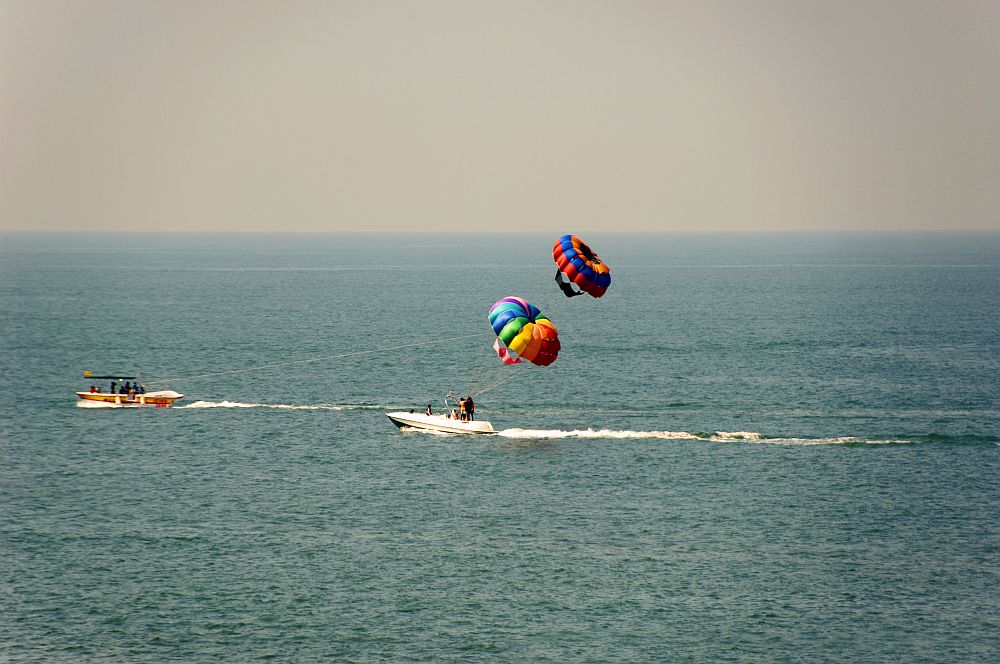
(514, 374)
(314, 359)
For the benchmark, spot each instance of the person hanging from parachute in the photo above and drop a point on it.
(523, 333)
(578, 264)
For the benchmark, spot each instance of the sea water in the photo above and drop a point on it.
(752, 448)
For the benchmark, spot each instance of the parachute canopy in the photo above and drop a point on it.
(523, 333)
(578, 264)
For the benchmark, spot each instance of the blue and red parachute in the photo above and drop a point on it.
(578, 264)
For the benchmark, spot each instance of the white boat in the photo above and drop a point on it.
(439, 423)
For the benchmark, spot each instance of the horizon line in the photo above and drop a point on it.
(758, 231)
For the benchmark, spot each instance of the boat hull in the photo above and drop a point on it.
(160, 399)
(439, 424)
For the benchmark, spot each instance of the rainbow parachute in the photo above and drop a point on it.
(523, 333)
(578, 264)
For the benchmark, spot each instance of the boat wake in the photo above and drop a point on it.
(715, 437)
(556, 434)
(279, 406)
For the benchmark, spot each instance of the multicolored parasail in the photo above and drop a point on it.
(578, 264)
(523, 333)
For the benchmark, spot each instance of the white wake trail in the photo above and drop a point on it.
(718, 436)
(282, 406)
(715, 437)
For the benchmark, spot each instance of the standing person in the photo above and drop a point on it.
(462, 411)
(429, 410)
(111, 389)
(470, 405)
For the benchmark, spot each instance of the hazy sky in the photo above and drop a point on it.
(499, 116)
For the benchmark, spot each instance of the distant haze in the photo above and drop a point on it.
(555, 116)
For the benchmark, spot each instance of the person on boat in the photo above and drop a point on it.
(470, 407)
(429, 410)
(92, 389)
(111, 389)
(131, 393)
(142, 388)
(462, 410)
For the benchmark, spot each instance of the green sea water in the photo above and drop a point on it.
(752, 448)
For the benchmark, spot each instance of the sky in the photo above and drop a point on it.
(557, 116)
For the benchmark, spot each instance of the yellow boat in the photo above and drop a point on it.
(120, 396)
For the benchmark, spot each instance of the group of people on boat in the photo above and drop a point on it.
(131, 389)
(466, 411)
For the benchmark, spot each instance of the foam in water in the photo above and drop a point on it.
(237, 404)
(716, 437)
(842, 440)
(591, 433)
(606, 434)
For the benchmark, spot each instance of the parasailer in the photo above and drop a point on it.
(523, 333)
(578, 264)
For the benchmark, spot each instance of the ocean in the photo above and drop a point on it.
(760, 447)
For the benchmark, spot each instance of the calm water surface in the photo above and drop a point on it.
(753, 448)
